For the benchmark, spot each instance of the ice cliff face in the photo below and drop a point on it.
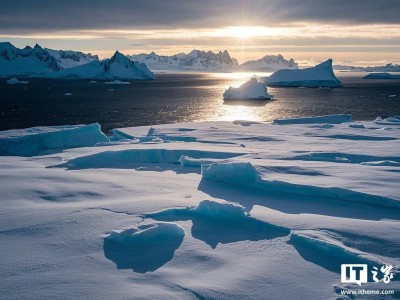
(269, 63)
(196, 60)
(38, 60)
(117, 67)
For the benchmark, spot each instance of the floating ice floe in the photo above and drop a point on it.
(392, 96)
(16, 81)
(328, 119)
(392, 120)
(381, 76)
(32, 141)
(252, 89)
(68, 94)
(117, 82)
(321, 75)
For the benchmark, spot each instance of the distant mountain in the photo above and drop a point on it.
(196, 60)
(386, 68)
(269, 63)
(68, 59)
(38, 60)
(27, 61)
(117, 67)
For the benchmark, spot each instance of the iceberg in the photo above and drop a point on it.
(381, 76)
(252, 89)
(117, 67)
(321, 75)
(33, 141)
(16, 81)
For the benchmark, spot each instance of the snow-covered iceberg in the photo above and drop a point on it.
(117, 67)
(33, 141)
(381, 76)
(252, 89)
(15, 80)
(321, 75)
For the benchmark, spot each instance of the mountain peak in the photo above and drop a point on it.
(37, 46)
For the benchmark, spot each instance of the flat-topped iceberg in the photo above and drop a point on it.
(33, 141)
(381, 76)
(319, 76)
(252, 89)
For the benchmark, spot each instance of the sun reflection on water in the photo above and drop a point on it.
(232, 110)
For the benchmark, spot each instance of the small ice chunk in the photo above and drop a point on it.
(116, 82)
(16, 81)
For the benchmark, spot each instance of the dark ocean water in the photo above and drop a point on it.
(181, 98)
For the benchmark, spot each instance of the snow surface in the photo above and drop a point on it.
(15, 80)
(321, 75)
(254, 88)
(184, 211)
(327, 120)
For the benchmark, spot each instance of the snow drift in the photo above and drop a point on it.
(33, 141)
(329, 119)
(252, 89)
(245, 174)
(150, 233)
(321, 75)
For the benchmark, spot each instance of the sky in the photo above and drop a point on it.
(352, 32)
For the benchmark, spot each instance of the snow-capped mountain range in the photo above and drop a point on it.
(27, 61)
(269, 63)
(196, 60)
(68, 59)
(38, 60)
(117, 67)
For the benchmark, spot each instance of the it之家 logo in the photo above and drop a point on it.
(358, 273)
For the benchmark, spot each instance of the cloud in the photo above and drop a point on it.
(27, 16)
